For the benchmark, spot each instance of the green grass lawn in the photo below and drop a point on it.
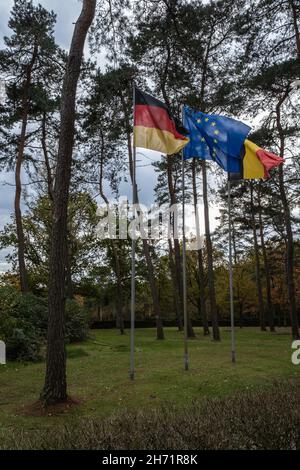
(98, 373)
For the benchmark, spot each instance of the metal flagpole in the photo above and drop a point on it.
(184, 293)
(233, 356)
(133, 251)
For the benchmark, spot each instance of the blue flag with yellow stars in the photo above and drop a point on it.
(215, 137)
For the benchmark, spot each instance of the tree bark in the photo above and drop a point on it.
(295, 18)
(178, 264)
(288, 227)
(175, 287)
(115, 251)
(119, 298)
(46, 158)
(257, 265)
(55, 387)
(201, 303)
(270, 312)
(154, 291)
(241, 316)
(211, 281)
(68, 276)
(18, 214)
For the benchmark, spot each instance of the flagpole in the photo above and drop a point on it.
(133, 252)
(233, 355)
(184, 291)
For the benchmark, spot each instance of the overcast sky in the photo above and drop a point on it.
(67, 13)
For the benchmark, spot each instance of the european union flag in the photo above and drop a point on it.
(215, 137)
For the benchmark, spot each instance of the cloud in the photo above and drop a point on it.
(67, 13)
(7, 194)
(4, 266)
(5, 8)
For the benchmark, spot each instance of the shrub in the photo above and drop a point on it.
(8, 300)
(23, 345)
(7, 324)
(77, 322)
(34, 310)
(23, 323)
(256, 420)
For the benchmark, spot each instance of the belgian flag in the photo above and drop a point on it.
(256, 162)
(154, 126)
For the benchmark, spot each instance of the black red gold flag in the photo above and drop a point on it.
(154, 126)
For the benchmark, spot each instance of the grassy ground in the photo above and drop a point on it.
(98, 373)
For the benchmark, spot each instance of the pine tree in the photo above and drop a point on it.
(25, 62)
(55, 387)
(270, 68)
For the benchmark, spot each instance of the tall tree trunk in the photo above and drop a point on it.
(238, 280)
(115, 251)
(288, 227)
(257, 264)
(68, 270)
(178, 264)
(241, 316)
(201, 303)
(295, 17)
(211, 281)
(270, 306)
(18, 214)
(154, 291)
(119, 297)
(146, 251)
(120, 290)
(175, 287)
(55, 387)
(46, 158)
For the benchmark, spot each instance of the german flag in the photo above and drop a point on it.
(154, 126)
